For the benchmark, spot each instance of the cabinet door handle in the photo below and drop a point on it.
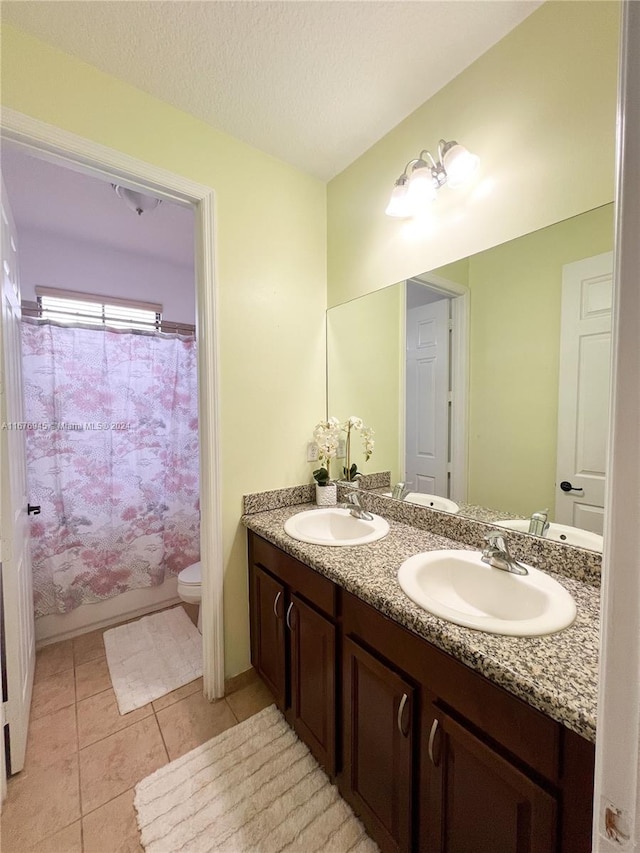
(289, 609)
(403, 702)
(275, 604)
(432, 737)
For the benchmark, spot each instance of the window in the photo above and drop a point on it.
(66, 306)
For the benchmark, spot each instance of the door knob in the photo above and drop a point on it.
(33, 510)
(566, 486)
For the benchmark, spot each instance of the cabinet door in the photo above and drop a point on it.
(313, 680)
(268, 635)
(481, 802)
(379, 721)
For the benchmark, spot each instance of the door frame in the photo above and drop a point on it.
(459, 295)
(616, 824)
(60, 147)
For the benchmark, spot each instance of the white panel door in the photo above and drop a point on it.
(427, 405)
(18, 618)
(583, 403)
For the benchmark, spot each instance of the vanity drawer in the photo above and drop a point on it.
(311, 585)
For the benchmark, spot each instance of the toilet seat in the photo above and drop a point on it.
(191, 576)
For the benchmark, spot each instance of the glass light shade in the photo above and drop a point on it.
(399, 206)
(421, 189)
(138, 202)
(459, 165)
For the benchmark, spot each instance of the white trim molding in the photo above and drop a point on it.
(617, 788)
(74, 152)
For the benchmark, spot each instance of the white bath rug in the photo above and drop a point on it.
(153, 656)
(253, 789)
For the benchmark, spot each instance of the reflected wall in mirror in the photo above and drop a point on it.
(499, 431)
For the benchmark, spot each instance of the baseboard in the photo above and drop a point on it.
(91, 617)
(237, 682)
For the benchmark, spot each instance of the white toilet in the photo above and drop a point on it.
(190, 588)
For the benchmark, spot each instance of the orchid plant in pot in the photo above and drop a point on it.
(350, 471)
(328, 435)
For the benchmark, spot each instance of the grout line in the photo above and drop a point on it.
(116, 732)
(79, 778)
(235, 716)
(79, 775)
(90, 660)
(164, 743)
(106, 803)
(40, 678)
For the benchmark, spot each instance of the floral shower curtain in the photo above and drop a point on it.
(112, 459)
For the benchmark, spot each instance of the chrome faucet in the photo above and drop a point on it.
(497, 554)
(400, 491)
(357, 510)
(539, 522)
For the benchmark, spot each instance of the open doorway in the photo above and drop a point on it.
(49, 144)
(110, 388)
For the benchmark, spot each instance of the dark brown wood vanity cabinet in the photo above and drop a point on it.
(293, 644)
(432, 756)
(268, 642)
(380, 736)
(481, 801)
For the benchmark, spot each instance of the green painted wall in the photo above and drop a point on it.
(514, 351)
(365, 371)
(270, 266)
(458, 271)
(539, 109)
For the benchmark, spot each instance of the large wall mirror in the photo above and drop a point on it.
(487, 381)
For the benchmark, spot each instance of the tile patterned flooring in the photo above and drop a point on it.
(75, 794)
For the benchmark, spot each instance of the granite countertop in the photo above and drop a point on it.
(557, 674)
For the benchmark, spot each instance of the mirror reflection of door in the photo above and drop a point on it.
(427, 451)
(583, 411)
(505, 364)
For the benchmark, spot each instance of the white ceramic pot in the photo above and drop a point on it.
(326, 495)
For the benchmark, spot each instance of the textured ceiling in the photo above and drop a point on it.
(313, 83)
(56, 200)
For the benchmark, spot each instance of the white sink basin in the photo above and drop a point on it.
(558, 533)
(335, 526)
(433, 501)
(459, 587)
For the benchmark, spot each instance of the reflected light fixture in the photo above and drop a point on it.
(423, 177)
(138, 202)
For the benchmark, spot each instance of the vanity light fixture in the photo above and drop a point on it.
(422, 177)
